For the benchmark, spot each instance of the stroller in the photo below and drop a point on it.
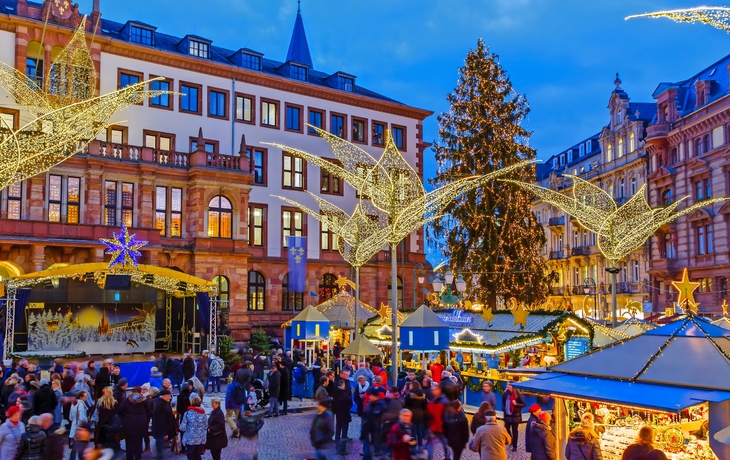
(262, 396)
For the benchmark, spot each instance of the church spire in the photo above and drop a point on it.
(298, 46)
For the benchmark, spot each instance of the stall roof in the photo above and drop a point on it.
(361, 346)
(645, 395)
(689, 352)
(340, 311)
(722, 322)
(310, 315)
(603, 335)
(633, 327)
(424, 317)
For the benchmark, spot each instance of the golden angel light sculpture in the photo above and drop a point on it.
(67, 114)
(619, 229)
(395, 193)
(715, 16)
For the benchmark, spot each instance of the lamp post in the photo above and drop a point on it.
(421, 278)
(587, 291)
(448, 298)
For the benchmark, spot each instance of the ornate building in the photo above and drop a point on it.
(613, 159)
(688, 147)
(188, 172)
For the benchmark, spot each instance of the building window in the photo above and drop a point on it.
(199, 49)
(256, 291)
(674, 159)
(217, 104)
(345, 83)
(176, 212)
(293, 172)
(621, 184)
(268, 113)
(159, 141)
(208, 146)
(698, 146)
(298, 72)
(328, 240)
(292, 223)
(620, 147)
(290, 301)
(293, 118)
(723, 287)
(14, 199)
(190, 98)
(220, 217)
(256, 222)
(636, 270)
(258, 165)
(399, 138)
(250, 61)
(609, 153)
(378, 133)
(60, 206)
(127, 203)
(128, 79)
(581, 150)
(588, 146)
(168, 208)
(140, 35)
(9, 119)
(329, 184)
(703, 189)
(161, 209)
(399, 291)
(704, 239)
(670, 250)
(244, 109)
(706, 145)
(667, 197)
(337, 125)
(705, 286)
(162, 100)
(223, 290)
(632, 142)
(34, 64)
(633, 185)
(110, 203)
(358, 130)
(327, 287)
(316, 118)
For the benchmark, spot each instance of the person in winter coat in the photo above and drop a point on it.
(216, 372)
(78, 414)
(155, 378)
(10, 433)
(135, 415)
(116, 374)
(479, 418)
(274, 381)
(164, 426)
(103, 380)
(456, 428)
(488, 395)
(416, 403)
(183, 403)
(644, 444)
(161, 365)
(512, 404)
(322, 431)
(542, 439)
(175, 372)
(45, 400)
(188, 367)
(360, 393)
(535, 411)
(120, 391)
(67, 382)
(400, 436)
(203, 369)
(372, 425)
(233, 407)
(217, 439)
(194, 427)
(259, 364)
(32, 442)
(108, 422)
(583, 445)
(58, 410)
(341, 405)
(54, 437)
(491, 440)
(285, 388)
(435, 410)
(321, 393)
(249, 426)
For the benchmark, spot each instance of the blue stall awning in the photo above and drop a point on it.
(622, 393)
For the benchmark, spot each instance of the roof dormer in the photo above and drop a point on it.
(703, 91)
(196, 46)
(343, 81)
(139, 32)
(295, 70)
(248, 59)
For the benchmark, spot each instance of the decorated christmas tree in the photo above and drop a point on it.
(490, 234)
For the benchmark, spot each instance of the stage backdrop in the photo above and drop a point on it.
(92, 328)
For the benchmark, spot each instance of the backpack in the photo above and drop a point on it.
(239, 394)
(299, 373)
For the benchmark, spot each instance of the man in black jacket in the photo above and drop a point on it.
(188, 367)
(285, 389)
(44, 400)
(164, 426)
(274, 380)
(120, 391)
(55, 437)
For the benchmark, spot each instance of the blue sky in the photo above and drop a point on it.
(562, 54)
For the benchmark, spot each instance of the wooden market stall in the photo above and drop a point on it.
(674, 378)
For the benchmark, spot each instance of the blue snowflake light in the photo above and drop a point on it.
(124, 248)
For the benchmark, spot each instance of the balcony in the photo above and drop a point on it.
(556, 221)
(657, 134)
(557, 290)
(556, 255)
(580, 251)
(664, 264)
(50, 230)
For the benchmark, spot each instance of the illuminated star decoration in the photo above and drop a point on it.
(488, 316)
(124, 248)
(520, 315)
(342, 282)
(724, 307)
(715, 16)
(686, 290)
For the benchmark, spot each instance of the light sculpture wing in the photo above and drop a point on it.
(716, 16)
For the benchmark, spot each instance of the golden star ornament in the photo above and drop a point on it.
(686, 289)
(520, 315)
(488, 316)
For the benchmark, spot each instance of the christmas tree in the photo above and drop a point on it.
(490, 232)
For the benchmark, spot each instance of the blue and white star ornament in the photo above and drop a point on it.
(124, 248)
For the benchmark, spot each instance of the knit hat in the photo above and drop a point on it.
(122, 382)
(490, 413)
(45, 382)
(164, 392)
(12, 410)
(534, 408)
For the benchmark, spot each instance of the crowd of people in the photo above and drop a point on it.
(90, 410)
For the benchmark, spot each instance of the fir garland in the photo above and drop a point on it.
(81, 354)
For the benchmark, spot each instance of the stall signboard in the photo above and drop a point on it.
(456, 318)
(576, 346)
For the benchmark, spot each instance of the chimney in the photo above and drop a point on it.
(96, 7)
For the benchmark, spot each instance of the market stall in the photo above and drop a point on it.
(361, 347)
(633, 327)
(423, 332)
(307, 331)
(603, 335)
(344, 316)
(673, 378)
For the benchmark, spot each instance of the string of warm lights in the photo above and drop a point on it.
(715, 16)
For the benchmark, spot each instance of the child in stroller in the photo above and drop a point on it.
(262, 396)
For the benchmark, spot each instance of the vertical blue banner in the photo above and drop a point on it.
(297, 263)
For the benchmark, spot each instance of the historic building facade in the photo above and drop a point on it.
(690, 157)
(613, 159)
(189, 173)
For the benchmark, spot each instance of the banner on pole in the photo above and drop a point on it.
(297, 247)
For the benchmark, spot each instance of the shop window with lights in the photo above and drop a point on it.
(327, 287)
(290, 301)
(220, 217)
(256, 291)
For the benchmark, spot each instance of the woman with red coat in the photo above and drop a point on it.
(400, 438)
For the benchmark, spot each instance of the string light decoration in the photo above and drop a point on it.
(124, 248)
(715, 16)
(67, 116)
(686, 289)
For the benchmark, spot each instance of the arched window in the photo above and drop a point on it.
(223, 290)
(290, 301)
(621, 188)
(34, 63)
(220, 217)
(674, 158)
(609, 153)
(633, 185)
(327, 287)
(256, 291)
(610, 190)
(619, 117)
(620, 147)
(667, 197)
(399, 288)
(632, 142)
(698, 146)
(706, 147)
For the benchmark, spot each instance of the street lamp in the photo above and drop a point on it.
(421, 278)
(460, 285)
(587, 291)
(438, 284)
(449, 277)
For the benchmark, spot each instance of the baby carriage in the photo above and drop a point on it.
(262, 396)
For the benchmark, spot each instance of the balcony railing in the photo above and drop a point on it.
(556, 221)
(580, 251)
(556, 255)
(657, 131)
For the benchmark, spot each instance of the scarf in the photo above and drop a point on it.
(199, 410)
(511, 401)
(361, 389)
